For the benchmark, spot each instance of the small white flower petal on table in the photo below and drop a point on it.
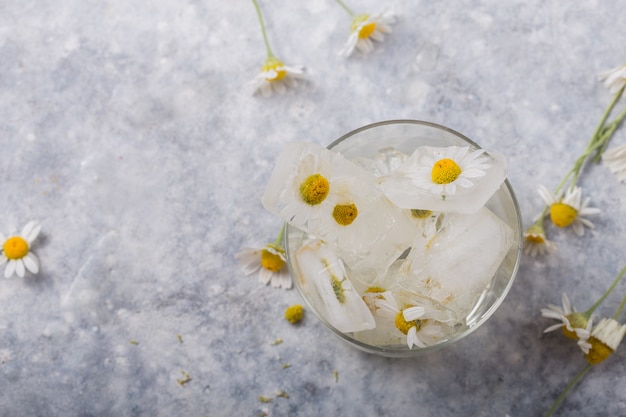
(615, 78)
(615, 160)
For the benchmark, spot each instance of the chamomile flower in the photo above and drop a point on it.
(605, 338)
(413, 320)
(276, 77)
(450, 179)
(569, 209)
(570, 320)
(366, 28)
(615, 78)
(16, 251)
(615, 160)
(535, 241)
(269, 261)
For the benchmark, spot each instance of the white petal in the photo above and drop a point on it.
(31, 262)
(567, 306)
(413, 313)
(19, 268)
(10, 269)
(553, 327)
(3, 258)
(31, 231)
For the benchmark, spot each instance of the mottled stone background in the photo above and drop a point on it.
(127, 128)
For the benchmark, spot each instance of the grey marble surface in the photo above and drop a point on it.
(127, 129)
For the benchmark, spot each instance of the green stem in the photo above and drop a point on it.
(615, 282)
(608, 133)
(347, 9)
(573, 382)
(279, 239)
(603, 120)
(620, 308)
(270, 54)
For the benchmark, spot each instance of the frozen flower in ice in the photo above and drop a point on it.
(413, 320)
(449, 179)
(574, 324)
(569, 209)
(276, 76)
(446, 169)
(535, 241)
(615, 160)
(364, 29)
(326, 282)
(615, 78)
(605, 338)
(16, 251)
(326, 195)
(269, 260)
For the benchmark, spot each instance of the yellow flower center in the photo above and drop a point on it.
(445, 171)
(420, 214)
(535, 238)
(338, 289)
(366, 30)
(15, 247)
(344, 214)
(598, 352)
(314, 189)
(404, 326)
(562, 214)
(294, 313)
(276, 65)
(271, 261)
(375, 289)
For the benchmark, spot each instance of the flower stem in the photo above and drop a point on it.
(603, 120)
(620, 308)
(573, 382)
(279, 239)
(270, 54)
(601, 299)
(347, 9)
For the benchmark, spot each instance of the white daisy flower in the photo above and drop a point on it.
(449, 179)
(615, 160)
(605, 338)
(269, 261)
(16, 251)
(574, 324)
(615, 78)
(535, 241)
(364, 29)
(416, 321)
(276, 76)
(569, 209)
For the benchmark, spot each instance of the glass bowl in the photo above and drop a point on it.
(406, 136)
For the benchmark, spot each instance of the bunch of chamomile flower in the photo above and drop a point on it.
(597, 340)
(566, 207)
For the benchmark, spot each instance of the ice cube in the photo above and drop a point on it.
(412, 186)
(353, 215)
(456, 264)
(330, 290)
